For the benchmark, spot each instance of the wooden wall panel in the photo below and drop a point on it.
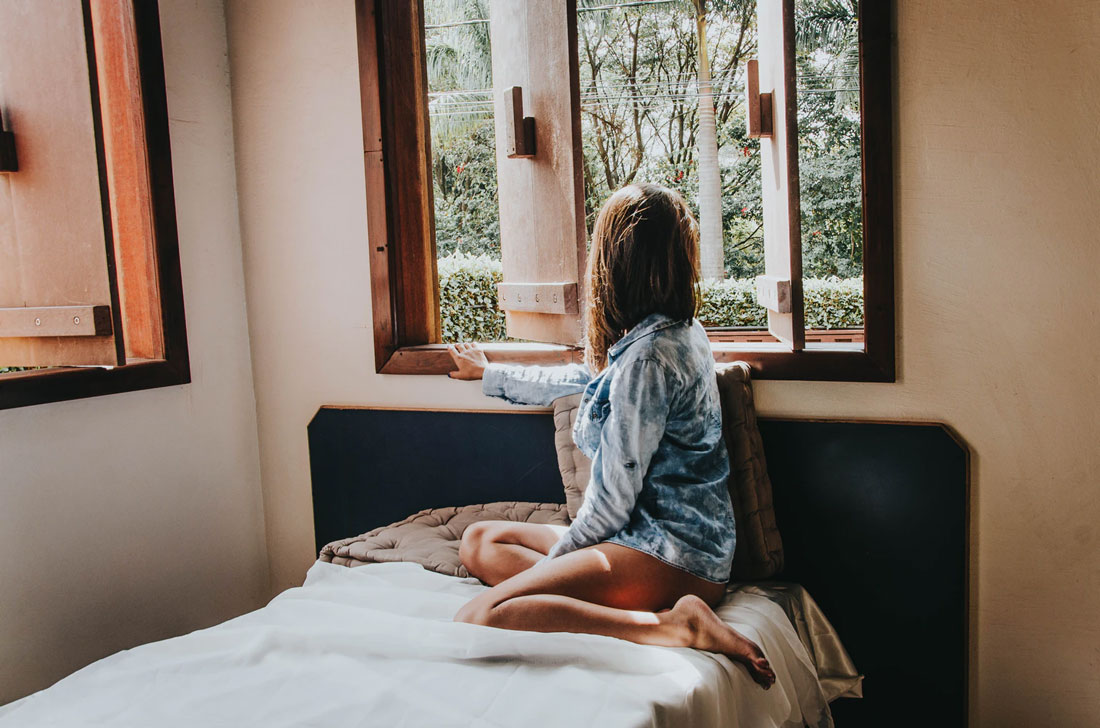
(128, 176)
(542, 227)
(779, 166)
(53, 235)
(410, 210)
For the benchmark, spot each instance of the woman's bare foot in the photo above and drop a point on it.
(706, 631)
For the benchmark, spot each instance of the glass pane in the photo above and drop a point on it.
(827, 33)
(654, 108)
(460, 113)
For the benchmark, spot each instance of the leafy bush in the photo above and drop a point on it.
(831, 303)
(468, 298)
(468, 301)
(731, 302)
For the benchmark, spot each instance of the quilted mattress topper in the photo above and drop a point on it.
(431, 537)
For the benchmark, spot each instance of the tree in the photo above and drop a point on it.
(460, 78)
(648, 77)
(711, 256)
(829, 137)
(460, 64)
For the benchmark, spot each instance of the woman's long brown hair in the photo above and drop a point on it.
(644, 260)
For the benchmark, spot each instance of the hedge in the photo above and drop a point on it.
(468, 301)
(831, 303)
(468, 298)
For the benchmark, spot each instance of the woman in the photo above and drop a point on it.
(650, 551)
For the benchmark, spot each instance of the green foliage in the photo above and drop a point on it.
(639, 105)
(731, 302)
(467, 217)
(464, 172)
(831, 303)
(468, 301)
(458, 51)
(829, 138)
(468, 298)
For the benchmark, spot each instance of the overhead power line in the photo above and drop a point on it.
(592, 9)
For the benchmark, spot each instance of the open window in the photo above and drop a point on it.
(90, 294)
(581, 97)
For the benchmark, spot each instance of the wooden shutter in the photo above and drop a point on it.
(541, 190)
(127, 167)
(56, 288)
(780, 288)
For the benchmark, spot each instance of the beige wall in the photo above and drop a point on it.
(134, 517)
(997, 158)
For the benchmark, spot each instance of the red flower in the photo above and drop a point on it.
(744, 210)
(746, 151)
(460, 169)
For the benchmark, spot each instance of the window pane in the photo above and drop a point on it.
(654, 108)
(460, 112)
(827, 33)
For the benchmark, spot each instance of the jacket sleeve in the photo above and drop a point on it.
(533, 384)
(639, 399)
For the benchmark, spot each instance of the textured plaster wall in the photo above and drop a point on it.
(134, 517)
(997, 143)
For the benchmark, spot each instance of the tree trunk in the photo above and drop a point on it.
(711, 256)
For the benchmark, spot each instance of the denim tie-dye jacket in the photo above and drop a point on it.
(652, 423)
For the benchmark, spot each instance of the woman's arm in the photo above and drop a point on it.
(640, 398)
(515, 383)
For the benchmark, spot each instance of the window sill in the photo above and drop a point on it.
(435, 359)
(40, 386)
(821, 361)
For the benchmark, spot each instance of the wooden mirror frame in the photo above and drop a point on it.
(20, 389)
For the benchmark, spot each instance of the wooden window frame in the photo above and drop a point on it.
(20, 389)
(401, 225)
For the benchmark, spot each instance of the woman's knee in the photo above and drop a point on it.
(475, 538)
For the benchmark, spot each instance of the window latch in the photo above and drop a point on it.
(519, 130)
(758, 106)
(8, 161)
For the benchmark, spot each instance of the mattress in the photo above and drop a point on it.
(375, 646)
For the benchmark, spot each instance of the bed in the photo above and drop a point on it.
(375, 646)
(874, 525)
(874, 520)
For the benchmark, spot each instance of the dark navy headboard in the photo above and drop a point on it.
(873, 517)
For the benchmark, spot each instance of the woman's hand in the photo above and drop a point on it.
(470, 360)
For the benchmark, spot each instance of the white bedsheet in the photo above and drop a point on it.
(375, 646)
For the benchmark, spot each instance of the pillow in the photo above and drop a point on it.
(759, 552)
(574, 465)
(431, 537)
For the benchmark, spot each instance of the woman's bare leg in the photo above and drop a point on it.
(615, 591)
(497, 550)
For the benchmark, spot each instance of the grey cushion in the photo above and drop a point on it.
(759, 552)
(575, 467)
